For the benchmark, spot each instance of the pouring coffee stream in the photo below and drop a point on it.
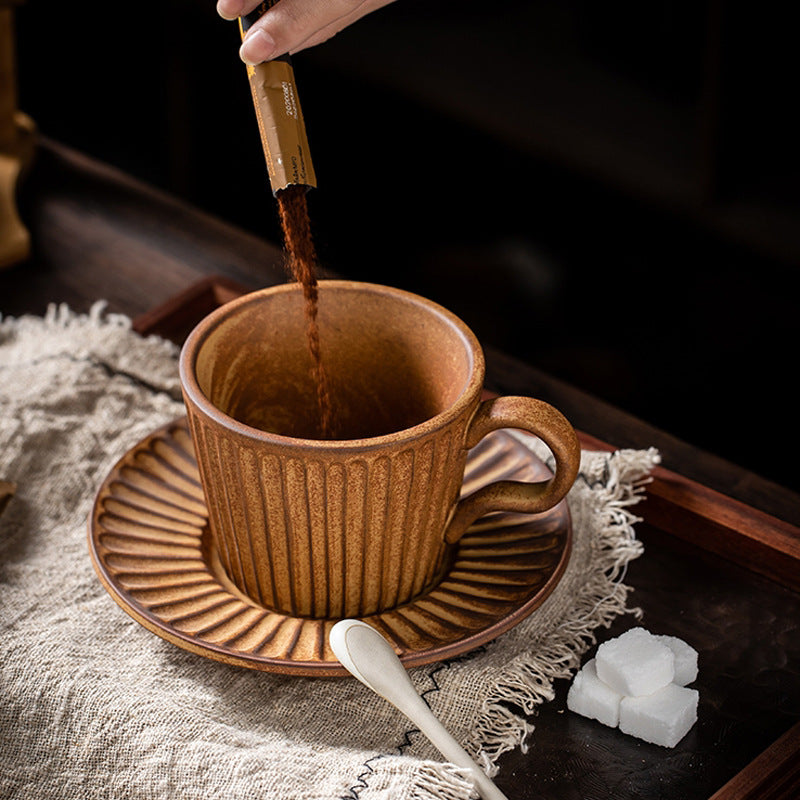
(302, 258)
(367, 655)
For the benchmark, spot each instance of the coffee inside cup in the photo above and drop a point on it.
(392, 363)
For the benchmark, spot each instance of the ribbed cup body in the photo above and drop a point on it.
(344, 527)
(330, 535)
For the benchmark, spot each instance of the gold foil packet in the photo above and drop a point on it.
(280, 118)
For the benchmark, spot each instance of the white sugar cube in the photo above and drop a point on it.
(662, 718)
(685, 659)
(590, 697)
(635, 663)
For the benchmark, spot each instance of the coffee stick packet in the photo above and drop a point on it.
(280, 119)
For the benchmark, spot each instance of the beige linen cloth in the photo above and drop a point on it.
(92, 705)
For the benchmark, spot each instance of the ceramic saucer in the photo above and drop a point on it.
(150, 546)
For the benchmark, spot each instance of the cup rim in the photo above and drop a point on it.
(196, 338)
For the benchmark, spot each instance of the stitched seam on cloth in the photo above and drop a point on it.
(440, 667)
(432, 781)
(354, 791)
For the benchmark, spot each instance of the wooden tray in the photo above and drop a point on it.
(707, 524)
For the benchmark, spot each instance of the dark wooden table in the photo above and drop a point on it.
(722, 545)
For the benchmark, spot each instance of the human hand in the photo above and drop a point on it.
(292, 25)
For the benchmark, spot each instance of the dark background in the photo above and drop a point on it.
(607, 190)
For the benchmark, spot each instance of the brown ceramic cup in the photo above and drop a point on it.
(355, 525)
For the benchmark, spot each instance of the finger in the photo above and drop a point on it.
(231, 9)
(289, 23)
(330, 30)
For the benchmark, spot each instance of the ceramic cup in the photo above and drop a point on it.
(355, 525)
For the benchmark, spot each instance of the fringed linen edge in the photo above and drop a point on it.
(438, 781)
(60, 317)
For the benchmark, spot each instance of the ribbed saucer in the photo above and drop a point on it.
(150, 546)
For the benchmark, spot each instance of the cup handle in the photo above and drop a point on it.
(538, 418)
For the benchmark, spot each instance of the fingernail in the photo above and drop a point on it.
(230, 9)
(258, 46)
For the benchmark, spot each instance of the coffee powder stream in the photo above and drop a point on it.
(301, 257)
